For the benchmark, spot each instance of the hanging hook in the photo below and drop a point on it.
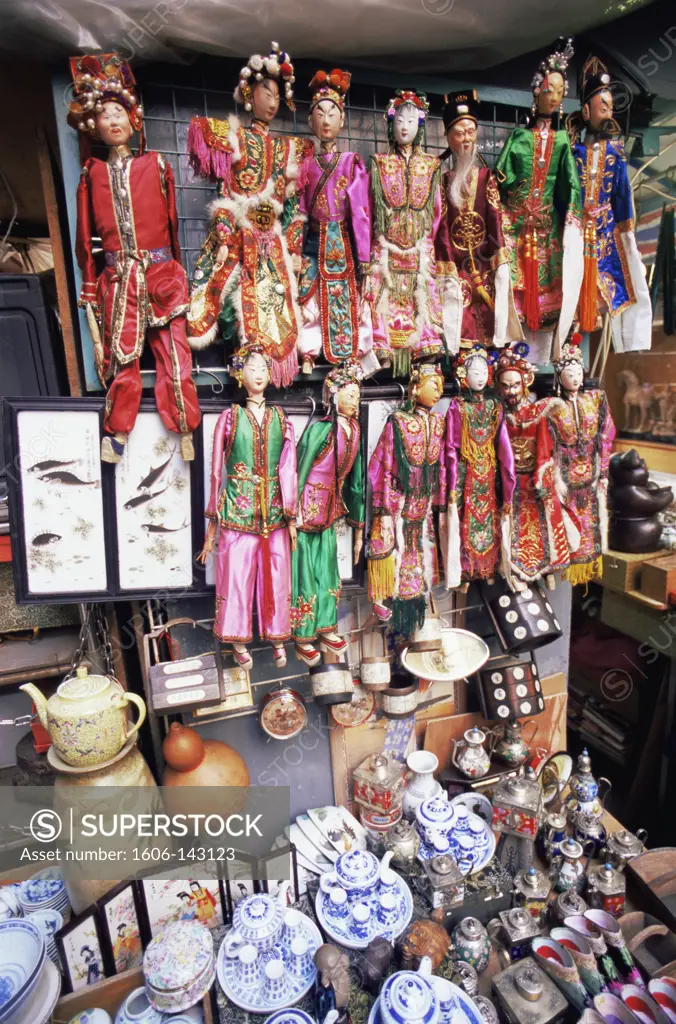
(311, 416)
(402, 389)
(221, 386)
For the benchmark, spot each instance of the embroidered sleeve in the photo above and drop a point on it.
(440, 496)
(607, 428)
(453, 436)
(353, 487)
(360, 209)
(83, 240)
(504, 169)
(568, 196)
(382, 473)
(621, 197)
(288, 472)
(442, 242)
(506, 459)
(221, 442)
(167, 176)
(495, 249)
(210, 147)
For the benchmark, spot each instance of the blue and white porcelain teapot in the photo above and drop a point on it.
(356, 871)
(258, 920)
(408, 997)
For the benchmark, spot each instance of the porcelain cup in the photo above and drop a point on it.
(444, 994)
(136, 1009)
(388, 881)
(361, 914)
(461, 822)
(300, 961)
(249, 966)
(293, 926)
(274, 981)
(337, 904)
(387, 909)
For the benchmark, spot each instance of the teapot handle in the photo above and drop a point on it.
(233, 942)
(456, 746)
(642, 835)
(609, 786)
(133, 698)
(385, 862)
(534, 723)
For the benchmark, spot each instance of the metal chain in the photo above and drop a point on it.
(103, 638)
(79, 653)
(22, 720)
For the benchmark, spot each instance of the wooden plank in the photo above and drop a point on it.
(647, 625)
(60, 272)
(49, 655)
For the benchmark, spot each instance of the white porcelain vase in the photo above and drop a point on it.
(421, 784)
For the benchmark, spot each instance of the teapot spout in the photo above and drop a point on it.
(38, 700)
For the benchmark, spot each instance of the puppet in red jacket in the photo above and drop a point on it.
(142, 291)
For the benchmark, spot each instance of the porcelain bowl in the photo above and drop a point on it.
(179, 966)
(49, 922)
(22, 957)
(9, 902)
(93, 1016)
(137, 1009)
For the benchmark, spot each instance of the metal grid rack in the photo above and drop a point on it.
(169, 106)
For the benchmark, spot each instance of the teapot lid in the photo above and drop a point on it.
(571, 848)
(475, 735)
(518, 917)
(443, 864)
(528, 983)
(82, 686)
(532, 878)
(584, 762)
(471, 928)
(625, 839)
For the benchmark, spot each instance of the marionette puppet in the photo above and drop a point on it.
(401, 287)
(543, 533)
(540, 193)
(142, 292)
(407, 475)
(582, 432)
(614, 278)
(256, 511)
(472, 260)
(246, 272)
(334, 197)
(330, 488)
(480, 476)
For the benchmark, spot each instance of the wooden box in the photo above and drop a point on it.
(658, 579)
(185, 684)
(622, 572)
(109, 995)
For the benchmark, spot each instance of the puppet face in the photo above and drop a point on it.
(598, 110)
(255, 375)
(511, 387)
(405, 126)
(571, 376)
(429, 390)
(551, 92)
(477, 373)
(326, 120)
(347, 400)
(461, 136)
(265, 99)
(113, 124)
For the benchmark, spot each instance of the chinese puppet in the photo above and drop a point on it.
(406, 205)
(582, 432)
(142, 292)
(472, 261)
(334, 197)
(480, 476)
(246, 272)
(542, 529)
(330, 488)
(408, 482)
(255, 450)
(614, 279)
(540, 193)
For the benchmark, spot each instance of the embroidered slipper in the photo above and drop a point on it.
(334, 646)
(243, 659)
(381, 612)
(279, 657)
(310, 656)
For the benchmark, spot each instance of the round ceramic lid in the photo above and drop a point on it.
(178, 956)
(436, 809)
(289, 1017)
(408, 998)
(258, 915)
(357, 868)
(82, 687)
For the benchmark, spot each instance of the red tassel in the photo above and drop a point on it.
(589, 292)
(531, 281)
(268, 589)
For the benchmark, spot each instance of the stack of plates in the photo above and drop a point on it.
(49, 922)
(22, 959)
(45, 891)
(9, 902)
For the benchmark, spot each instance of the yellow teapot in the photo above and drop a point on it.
(87, 717)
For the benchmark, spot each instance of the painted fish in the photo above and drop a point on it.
(155, 474)
(63, 477)
(151, 528)
(140, 499)
(46, 538)
(42, 467)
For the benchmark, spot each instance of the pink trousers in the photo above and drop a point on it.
(240, 569)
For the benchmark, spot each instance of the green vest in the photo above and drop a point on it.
(251, 500)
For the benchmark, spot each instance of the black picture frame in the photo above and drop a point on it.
(151, 928)
(67, 945)
(295, 892)
(109, 939)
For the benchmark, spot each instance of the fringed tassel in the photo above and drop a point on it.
(205, 161)
(531, 280)
(381, 578)
(268, 588)
(589, 292)
(408, 615)
(401, 362)
(284, 370)
(584, 572)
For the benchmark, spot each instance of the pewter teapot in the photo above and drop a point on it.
(469, 754)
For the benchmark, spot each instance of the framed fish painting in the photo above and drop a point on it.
(58, 493)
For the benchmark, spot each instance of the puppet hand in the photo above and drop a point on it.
(358, 544)
(296, 263)
(293, 535)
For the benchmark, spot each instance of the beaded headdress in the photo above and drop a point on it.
(400, 98)
(467, 355)
(240, 357)
(557, 60)
(330, 85)
(276, 65)
(570, 353)
(515, 359)
(96, 80)
(350, 372)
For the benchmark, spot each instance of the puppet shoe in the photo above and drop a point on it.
(550, 581)
(243, 659)
(308, 366)
(112, 450)
(187, 448)
(279, 657)
(308, 654)
(382, 613)
(332, 644)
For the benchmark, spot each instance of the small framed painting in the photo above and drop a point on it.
(182, 900)
(120, 922)
(82, 951)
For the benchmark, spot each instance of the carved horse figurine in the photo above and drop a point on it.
(636, 396)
